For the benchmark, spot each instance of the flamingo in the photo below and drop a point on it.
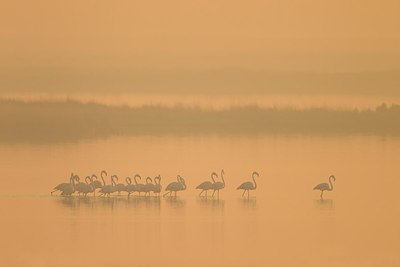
(80, 186)
(219, 185)
(108, 189)
(207, 185)
(131, 188)
(88, 187)
(148, 187)
(70, 189)
(325, 186)
(62, 186)
(157, 186)
(247, 186)
(175, 186)
(96, 183)
(120, 187)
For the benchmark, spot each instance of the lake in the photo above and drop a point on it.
(282, 223)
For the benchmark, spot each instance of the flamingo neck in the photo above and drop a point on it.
(330, 182)
(212, 177)
(255, 184)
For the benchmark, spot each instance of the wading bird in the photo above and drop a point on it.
(180, 185)
(120, 187)
(247, 186)
(207, 185)
(325, 186)
(62, 186)
(96, 184)
(70, 189)
(88, 187)
(108, 189)
(157, 186)
(136, 187)
(148, 187)
(219, 185)
(81, 186)
(129, 186)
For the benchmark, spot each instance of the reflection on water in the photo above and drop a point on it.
(77, 202)
(175, 202)
(248, 202)
(216, 205)
(325, 204)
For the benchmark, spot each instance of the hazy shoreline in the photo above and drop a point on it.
(70, 120)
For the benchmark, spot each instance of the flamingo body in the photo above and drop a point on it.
(219, 185)
(325, 186)
(180, 185)
(247, 186)
(207, 185)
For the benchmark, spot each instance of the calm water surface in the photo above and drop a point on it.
(283, 223)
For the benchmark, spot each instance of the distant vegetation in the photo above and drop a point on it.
(70, 120)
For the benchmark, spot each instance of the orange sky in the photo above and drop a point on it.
(63, 41)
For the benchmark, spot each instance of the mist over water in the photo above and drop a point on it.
(295, 90)
(283, 223)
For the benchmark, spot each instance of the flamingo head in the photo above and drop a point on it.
(256, 173)
(179, 178)
(333, 177)
(76, 178)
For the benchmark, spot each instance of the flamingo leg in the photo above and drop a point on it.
(201, 192)
(248, 193)
(322, 192)
(244, 191)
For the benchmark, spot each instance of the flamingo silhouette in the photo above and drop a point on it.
(148, 187)
(81, 186)
(129, 186)
(106, 190)
(247, 186)
(88, 187)
(157, 186)
(207, 185)
(219, 185)
(180, 185)
(136, 187)
(96, 184)
(70, 189)
(325, 186)
(120, 187)
(62, 186)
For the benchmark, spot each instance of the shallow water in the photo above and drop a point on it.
(282, 223)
